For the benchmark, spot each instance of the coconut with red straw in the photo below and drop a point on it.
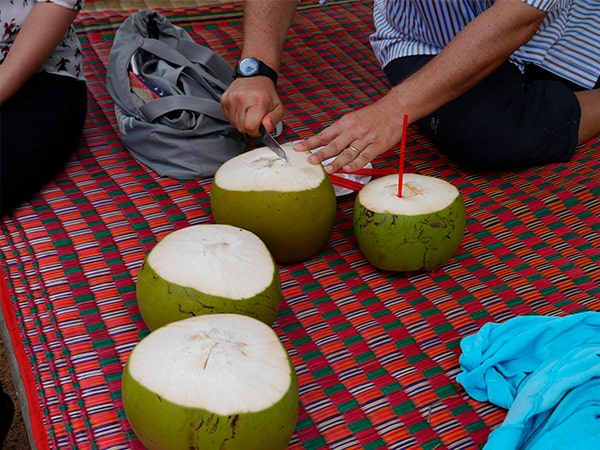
(408, 222)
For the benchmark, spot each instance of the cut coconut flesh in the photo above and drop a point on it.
(203, 257)
(205, 269)
(420, 195)
(211, 382)
(262, 170)
(229, 364)
(290, 205)
(420, 230)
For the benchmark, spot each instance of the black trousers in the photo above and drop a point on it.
(40, 128)
(508, 120)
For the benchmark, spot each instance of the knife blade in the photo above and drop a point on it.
(273, 145)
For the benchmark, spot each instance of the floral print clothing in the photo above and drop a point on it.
(66, 59)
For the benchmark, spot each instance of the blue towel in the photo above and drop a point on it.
(546, 371)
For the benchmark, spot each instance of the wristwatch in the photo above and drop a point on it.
(251, 67)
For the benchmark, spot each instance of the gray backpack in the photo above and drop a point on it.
(167, 91)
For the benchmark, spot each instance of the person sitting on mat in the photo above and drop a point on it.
(43, 95)
(497, 85)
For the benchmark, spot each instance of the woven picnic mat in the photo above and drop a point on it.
(376, 353)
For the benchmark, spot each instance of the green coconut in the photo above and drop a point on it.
(206, 269)
(219, 381)
(419, 231)
(290, 205)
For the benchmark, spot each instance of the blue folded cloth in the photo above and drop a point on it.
(546, 371)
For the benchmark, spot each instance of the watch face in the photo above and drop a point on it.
(248, 67)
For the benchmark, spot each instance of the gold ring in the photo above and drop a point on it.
(354, 148)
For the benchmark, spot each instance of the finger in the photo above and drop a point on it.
(322, 139)
(346, 156)
(352, 152)
(233, 103)
(362, 159)
(272, 118)
(353, 157)
(231, 113)
(330, 150)
(254, 116)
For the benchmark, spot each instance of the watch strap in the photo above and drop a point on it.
(262, 69)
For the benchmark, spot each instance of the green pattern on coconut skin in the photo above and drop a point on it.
(163, 425)
(161, 302)
(428, 240)
(294, 225)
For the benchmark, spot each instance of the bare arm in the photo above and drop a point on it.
(266, 26)
(41, 32)
(481, 47)
(251, 101)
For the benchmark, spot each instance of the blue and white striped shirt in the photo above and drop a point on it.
(567, 43)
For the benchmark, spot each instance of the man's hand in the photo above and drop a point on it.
(250, 102)
(357, 138)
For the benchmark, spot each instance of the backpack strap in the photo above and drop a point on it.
(164, 105)
(202, 73)
(206, 57)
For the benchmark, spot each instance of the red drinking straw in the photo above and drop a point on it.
(402, 150)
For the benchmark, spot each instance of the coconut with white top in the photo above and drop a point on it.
(420, 230)
(290, 205)
(207, 269)
(219, 381)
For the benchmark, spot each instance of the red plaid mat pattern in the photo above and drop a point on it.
(376, 353)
